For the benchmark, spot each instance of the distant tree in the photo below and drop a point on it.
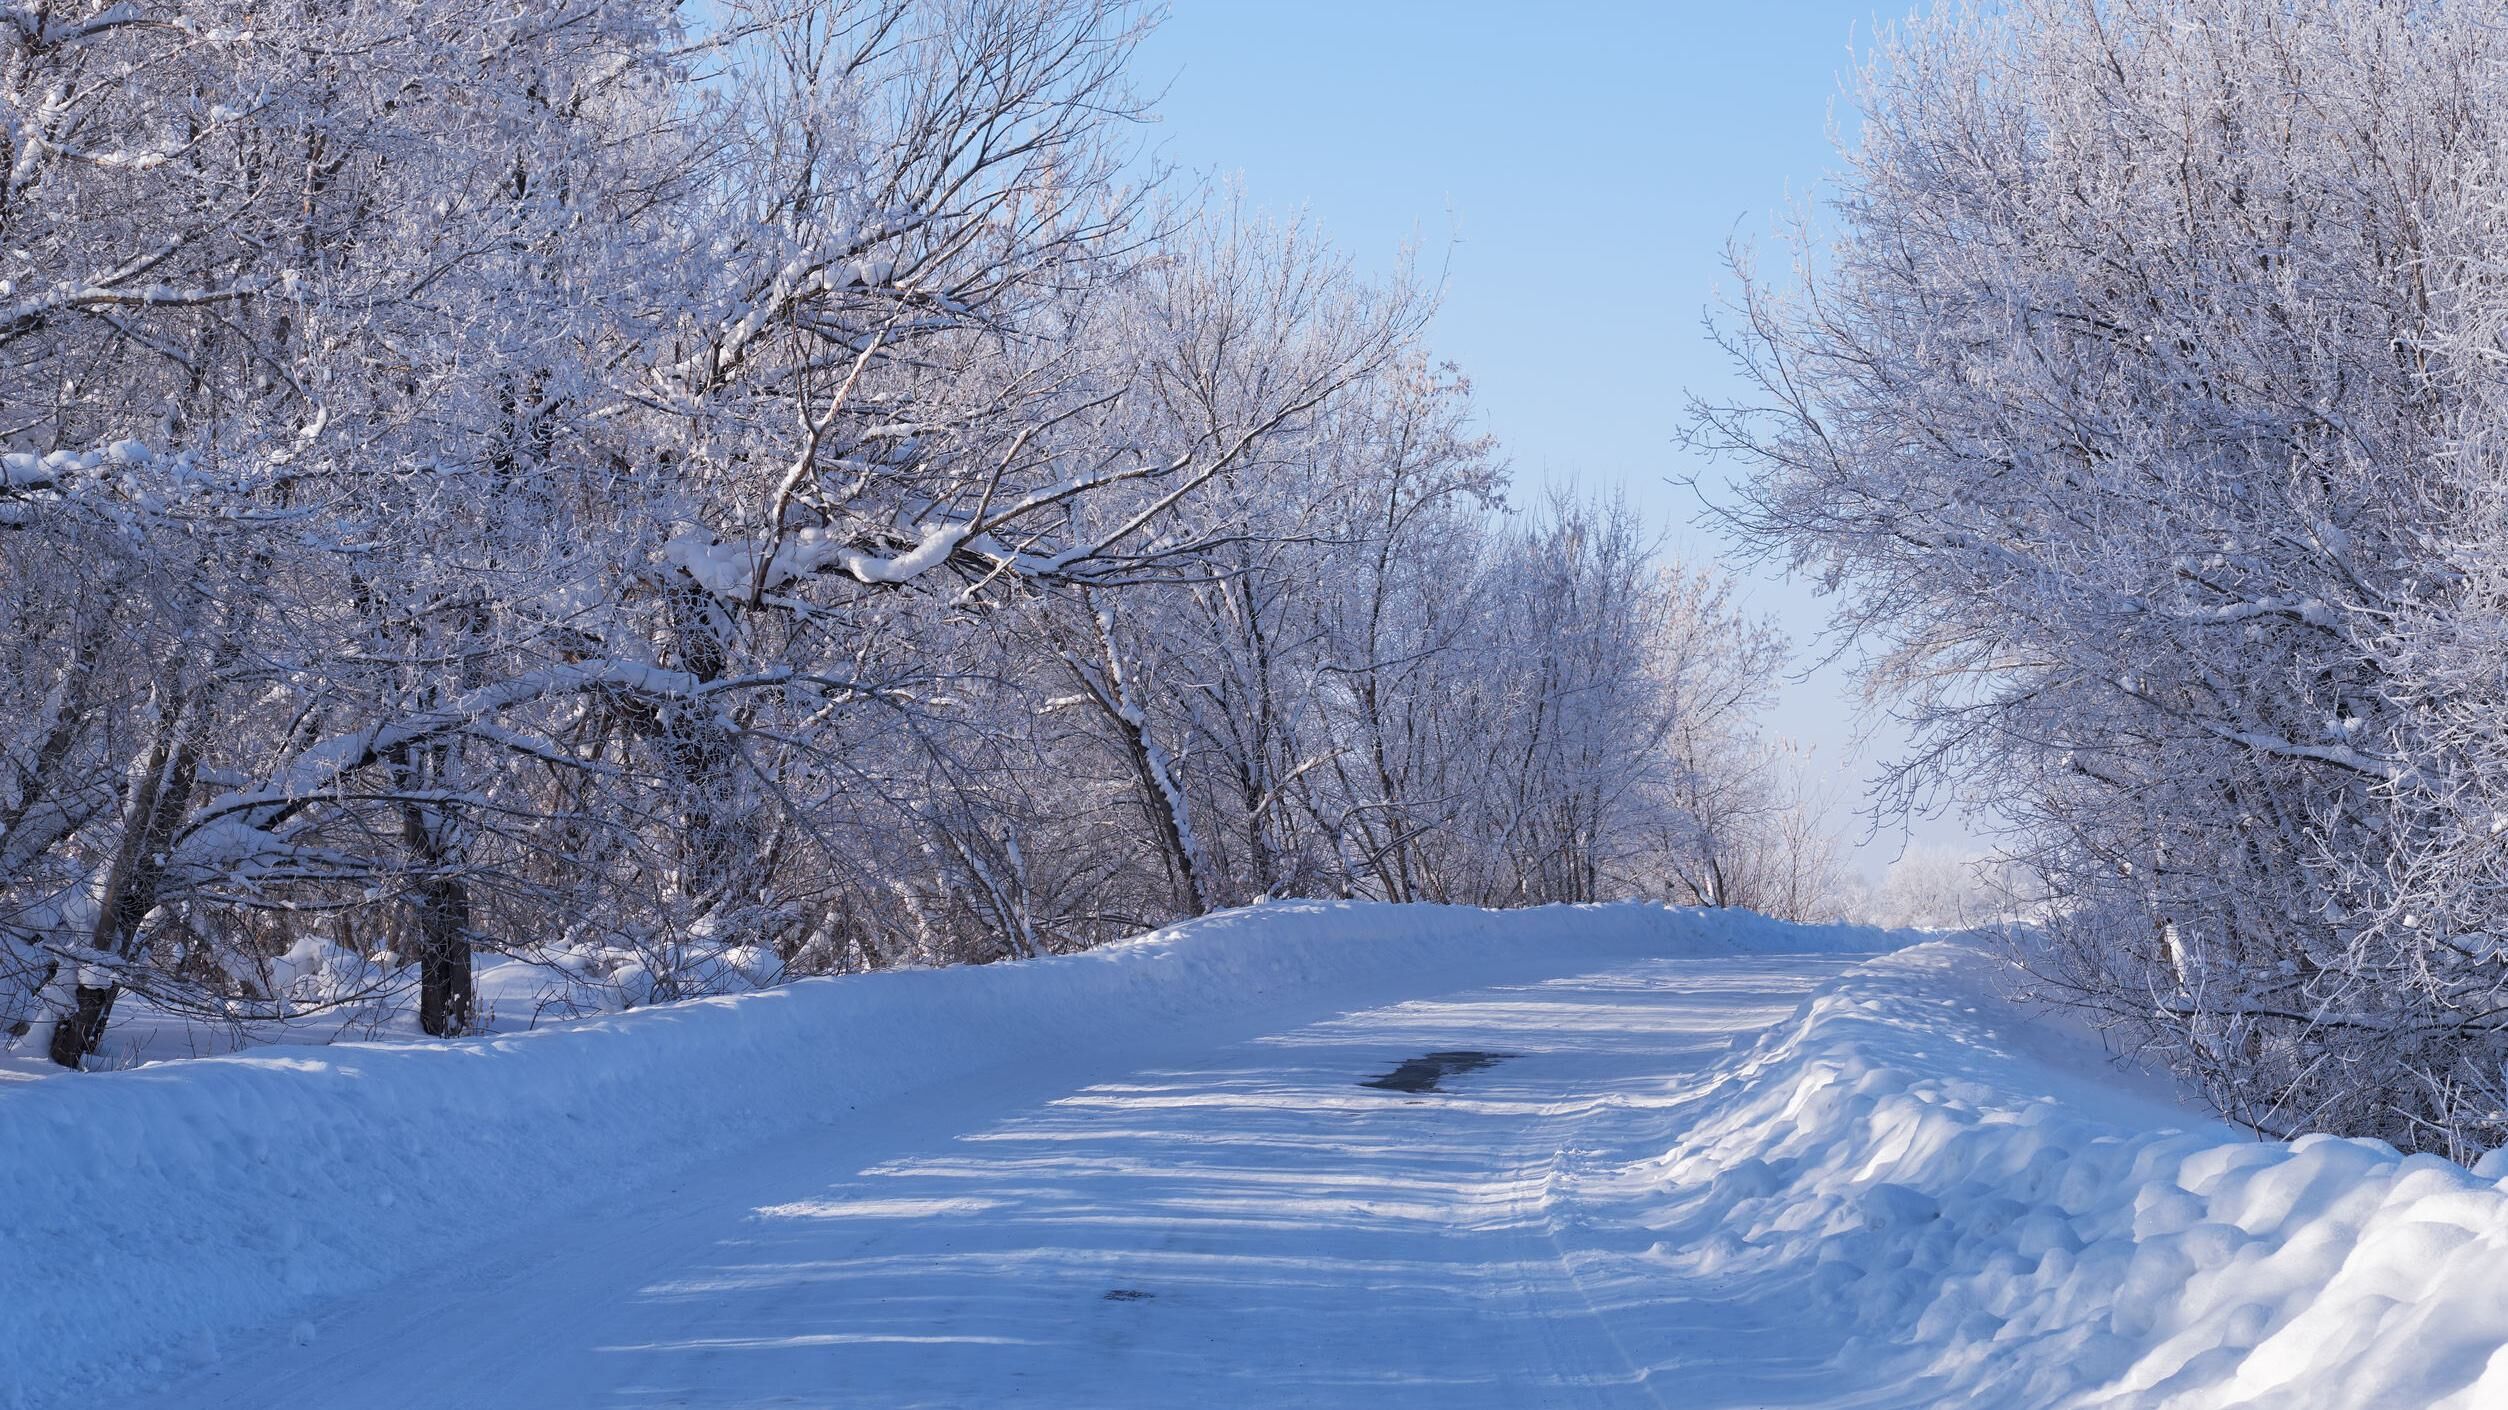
(1936, 888)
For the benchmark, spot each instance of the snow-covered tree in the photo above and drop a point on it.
(2138, 410)
(683, 495)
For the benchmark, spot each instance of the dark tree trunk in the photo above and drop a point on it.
(444, 994)
(439, 898)
(77, 1033)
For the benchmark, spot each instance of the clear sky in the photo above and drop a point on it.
(1576, 167)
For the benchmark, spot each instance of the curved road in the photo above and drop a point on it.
(1250, 1226)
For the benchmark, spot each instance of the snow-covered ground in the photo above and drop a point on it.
(1714, 1162)
(343, 997)
(1954, 1203)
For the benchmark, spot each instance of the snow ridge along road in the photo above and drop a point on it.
(1709, 1163)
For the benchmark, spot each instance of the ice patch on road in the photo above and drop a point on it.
(1424, 1073)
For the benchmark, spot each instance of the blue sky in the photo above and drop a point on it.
(1576, 169)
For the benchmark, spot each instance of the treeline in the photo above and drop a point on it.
(2149, 403)
(691, 496)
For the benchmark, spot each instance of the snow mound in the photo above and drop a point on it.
(150, 1209)
(1992, 1212)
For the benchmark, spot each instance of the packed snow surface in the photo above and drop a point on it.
(1645, 1157)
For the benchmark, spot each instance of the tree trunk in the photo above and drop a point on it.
(162, 792)
(704, 760)
(1162, 792)
(444, 991)
(76, 1033)
(439, 898)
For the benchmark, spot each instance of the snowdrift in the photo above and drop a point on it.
(1983, 1207)
(142, 1212)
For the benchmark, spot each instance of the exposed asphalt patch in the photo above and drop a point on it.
(1422, 1074)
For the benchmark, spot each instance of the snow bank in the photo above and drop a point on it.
(141, 1212)
(2002, 1218)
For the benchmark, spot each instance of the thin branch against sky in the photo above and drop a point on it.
(1579, 174)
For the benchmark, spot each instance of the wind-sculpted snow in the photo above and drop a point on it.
(148, 1211)
(1958, 1200)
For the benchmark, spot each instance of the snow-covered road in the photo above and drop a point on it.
(1247, 1225)
(1702, 1162)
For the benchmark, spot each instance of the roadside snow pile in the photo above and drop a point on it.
(147, 1210)
(1986, 1210)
